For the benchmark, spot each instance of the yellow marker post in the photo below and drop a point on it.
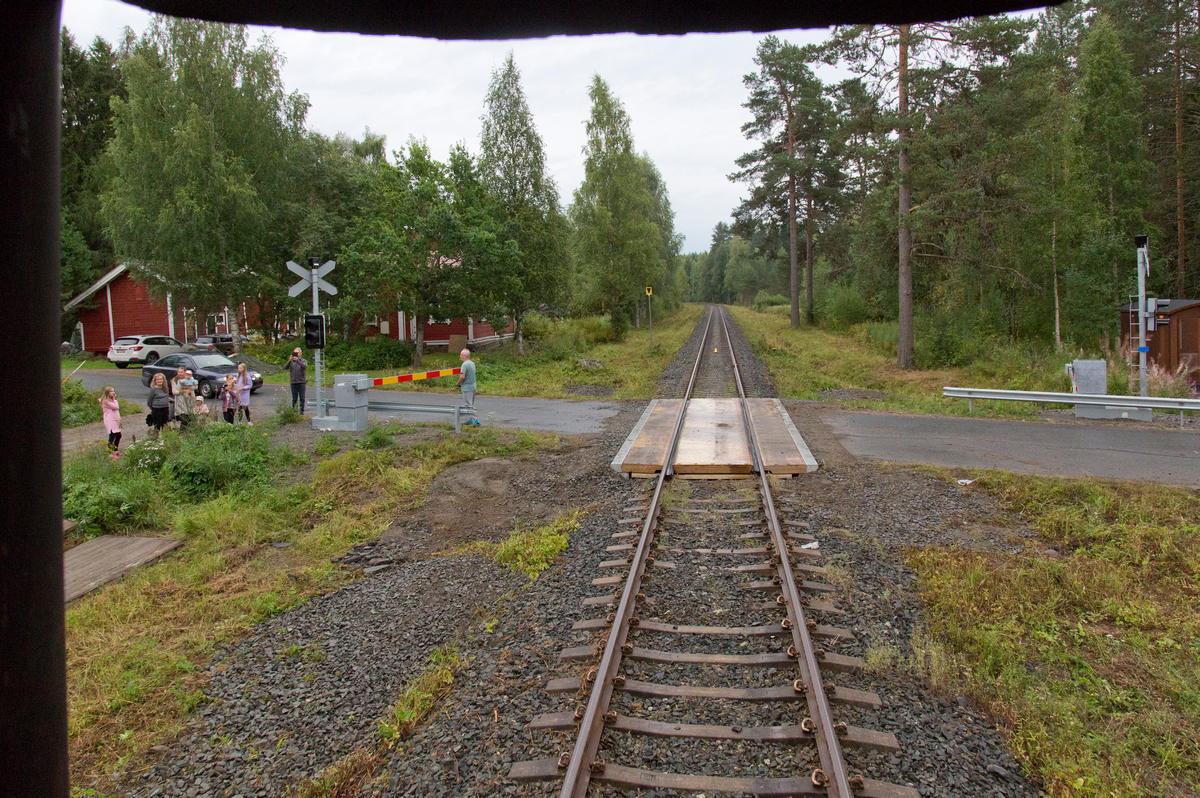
(650, 314)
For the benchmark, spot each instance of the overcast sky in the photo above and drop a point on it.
(683, 93)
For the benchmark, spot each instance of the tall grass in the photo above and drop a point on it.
(1094, 657)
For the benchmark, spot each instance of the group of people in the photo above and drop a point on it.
(177, 400)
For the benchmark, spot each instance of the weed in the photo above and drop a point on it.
(286, 413)
(343, 778)
(532, 550)
(421, 694)
(329, 444)
(881, 659)
(376, 438)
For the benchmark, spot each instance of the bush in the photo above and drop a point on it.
(765, 300)
(215, 457)
(380, 354)
(845, 307)
(104, 495)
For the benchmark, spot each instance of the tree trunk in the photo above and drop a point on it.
(1179, 210)
(518, 318)
(1054, 263)
(808, 262)
(906, 345)
(419, 344)
(231, 318)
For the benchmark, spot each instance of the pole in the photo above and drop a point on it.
(312, 262)
(650, 315)
(1143, 263)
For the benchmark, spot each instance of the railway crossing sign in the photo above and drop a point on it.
(312, 276)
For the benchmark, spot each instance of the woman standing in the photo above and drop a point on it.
(112, 419)
(244, 383)
(159, 402)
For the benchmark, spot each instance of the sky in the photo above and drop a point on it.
(684, 95)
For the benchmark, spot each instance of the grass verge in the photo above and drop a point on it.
(1091, 661)
(136, 648)
(808, 360)
(629, 367)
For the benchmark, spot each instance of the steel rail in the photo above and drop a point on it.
(583, 755)
(829, 748)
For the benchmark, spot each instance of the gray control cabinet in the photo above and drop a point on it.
(1091, 376)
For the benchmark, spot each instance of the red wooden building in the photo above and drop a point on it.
(117, 305)
(403, 327)
(1176, 339)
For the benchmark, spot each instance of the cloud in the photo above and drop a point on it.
(683, 95)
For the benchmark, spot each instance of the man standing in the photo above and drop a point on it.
(297, 368)
(466, 381)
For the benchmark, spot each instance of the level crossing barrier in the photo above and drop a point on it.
(352, 406)
(1051, 397)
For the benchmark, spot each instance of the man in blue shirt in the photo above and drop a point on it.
(466, 381)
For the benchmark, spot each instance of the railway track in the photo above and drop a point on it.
(661, 671)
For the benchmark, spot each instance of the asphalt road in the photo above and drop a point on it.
(1028, 447)
(563, 416)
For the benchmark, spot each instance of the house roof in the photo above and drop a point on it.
(1172, 305)
(96, 286)
(537, 18)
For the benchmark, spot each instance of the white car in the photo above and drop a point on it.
(143, 349)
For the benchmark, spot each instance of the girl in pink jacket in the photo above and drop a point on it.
(112, 419)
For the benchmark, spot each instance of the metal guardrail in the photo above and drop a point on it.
(458, 411)
(1051, 397)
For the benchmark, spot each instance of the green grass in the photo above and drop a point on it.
(806, 361)
(69, 362)
(135, 648)
(1092, 661)
(629, 367)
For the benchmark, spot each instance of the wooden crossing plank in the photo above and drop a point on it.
(94, 564)
(713, 439)
(780, 446)
(645, 455)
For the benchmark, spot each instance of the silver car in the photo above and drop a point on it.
(138, 349)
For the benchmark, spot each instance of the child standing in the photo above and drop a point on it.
(112, 419)
(230, 399)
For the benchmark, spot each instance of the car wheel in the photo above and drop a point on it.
(121, 365)
(150, 358)
(206, 389)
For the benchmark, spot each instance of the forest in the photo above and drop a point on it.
(963, 185)
(185, 158)
(972, 182)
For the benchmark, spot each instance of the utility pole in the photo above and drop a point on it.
(1143, 267)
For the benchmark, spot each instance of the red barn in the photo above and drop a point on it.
(122, 305)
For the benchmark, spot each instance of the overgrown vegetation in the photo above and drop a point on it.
(136, 647)
(806, 361)
(1091, 660)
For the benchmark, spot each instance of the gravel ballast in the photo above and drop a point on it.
(310, 685)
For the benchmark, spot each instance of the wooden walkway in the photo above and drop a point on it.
(92, 565)
(714, 441)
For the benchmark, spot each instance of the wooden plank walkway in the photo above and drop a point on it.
(782, 449)
(714, 439)
(92, 565)
(713, 443)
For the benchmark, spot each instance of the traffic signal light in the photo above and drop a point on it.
(314, 331)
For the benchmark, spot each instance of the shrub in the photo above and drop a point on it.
(218, 456)
(104, 495)
(765, 300)
(287, 413)
(380, 354)
(844, 306)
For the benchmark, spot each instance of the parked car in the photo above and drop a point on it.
(134, 349)
(208, 369)
(222, 342)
